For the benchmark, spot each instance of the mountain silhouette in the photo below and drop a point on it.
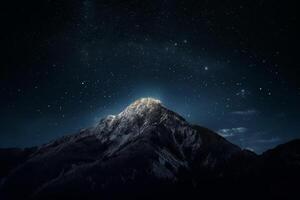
(148, 152)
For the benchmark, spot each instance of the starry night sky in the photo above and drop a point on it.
(232, 66)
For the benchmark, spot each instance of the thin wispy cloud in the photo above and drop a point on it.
(245, 112)
(269, 140)
(231, 132)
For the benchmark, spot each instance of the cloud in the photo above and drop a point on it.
(253, 140)
(250, 149)
(231, 132)
(269, 140)
(245, 112)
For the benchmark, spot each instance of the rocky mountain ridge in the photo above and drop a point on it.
(146, 151)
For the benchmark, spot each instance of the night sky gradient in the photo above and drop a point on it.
(231, 66)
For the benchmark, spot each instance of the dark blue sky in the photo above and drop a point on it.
(232, 67)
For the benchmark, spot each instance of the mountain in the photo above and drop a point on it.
(12, 157)
(278, 171)
(145, 152)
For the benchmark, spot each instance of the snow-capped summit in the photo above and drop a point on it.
(140, 115)
(145, 102)
(142, 107)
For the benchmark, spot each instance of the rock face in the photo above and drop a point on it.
(146, 151)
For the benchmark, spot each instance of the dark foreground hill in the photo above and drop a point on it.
(148, 152)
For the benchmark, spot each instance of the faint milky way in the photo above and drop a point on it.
(69, 64)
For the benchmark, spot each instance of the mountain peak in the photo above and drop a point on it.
(145, 102)
(142, 106)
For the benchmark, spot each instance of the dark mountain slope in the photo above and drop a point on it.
(10, 158)
(278, 171)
